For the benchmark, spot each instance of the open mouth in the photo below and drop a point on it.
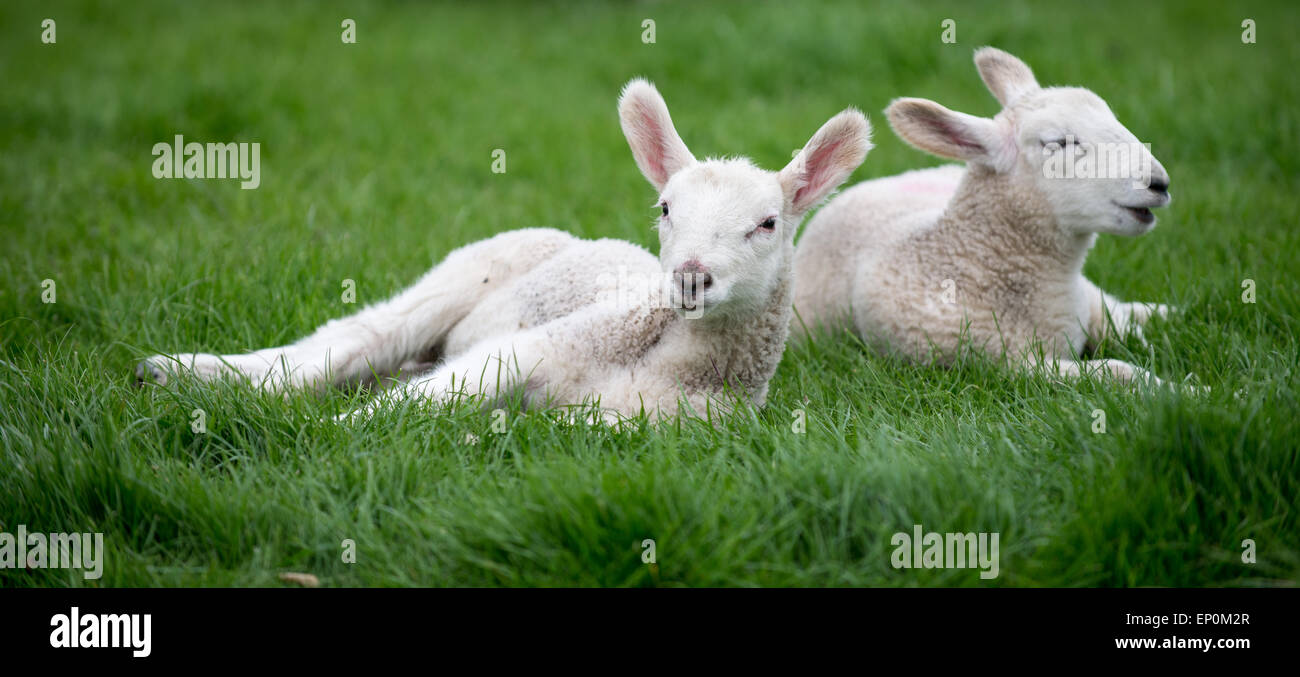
(1142, 214)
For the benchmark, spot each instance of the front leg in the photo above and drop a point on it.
(1107, 315)
(492, 370)
(1117, 369)
(568, 361)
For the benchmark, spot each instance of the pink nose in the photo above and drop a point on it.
(699, 279)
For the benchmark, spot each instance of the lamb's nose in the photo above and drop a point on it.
(700, 275)
(1159, 185)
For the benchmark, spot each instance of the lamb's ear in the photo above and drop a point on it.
(946, 133)
(826, 161)
(1006, 76)
(658, 150)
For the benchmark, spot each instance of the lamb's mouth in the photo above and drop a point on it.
(697, 304)
(694, 300)
(1142, 214)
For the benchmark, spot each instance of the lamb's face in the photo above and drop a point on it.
(1062, 146)
(724, 238)
(1092, 171)
(726, 227)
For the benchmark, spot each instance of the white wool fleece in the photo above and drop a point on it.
(568, 321)
(991, 253)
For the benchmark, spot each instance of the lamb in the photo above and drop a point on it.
(990, 253)
(557, 320)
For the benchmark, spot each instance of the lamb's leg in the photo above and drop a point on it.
(379, 338)
(562, 362)
(1107, 313)
(1118, 369)
(492, 369)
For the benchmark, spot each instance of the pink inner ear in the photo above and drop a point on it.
(817, 171)
(651, 138)
(955, 136)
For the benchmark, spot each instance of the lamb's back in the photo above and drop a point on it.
(848, 237)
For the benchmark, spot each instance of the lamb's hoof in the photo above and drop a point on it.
(147, 372)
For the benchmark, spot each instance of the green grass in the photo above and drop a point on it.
(376, 162)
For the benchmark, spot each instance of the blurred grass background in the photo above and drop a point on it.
(376, 161)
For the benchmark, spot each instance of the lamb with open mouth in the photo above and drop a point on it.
(988, 255)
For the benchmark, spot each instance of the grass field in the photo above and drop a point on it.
(375, 162)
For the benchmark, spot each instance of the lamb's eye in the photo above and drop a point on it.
(664, 206)
(768, 224)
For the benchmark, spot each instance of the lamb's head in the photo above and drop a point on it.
(1061, 144)
(726, 227)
